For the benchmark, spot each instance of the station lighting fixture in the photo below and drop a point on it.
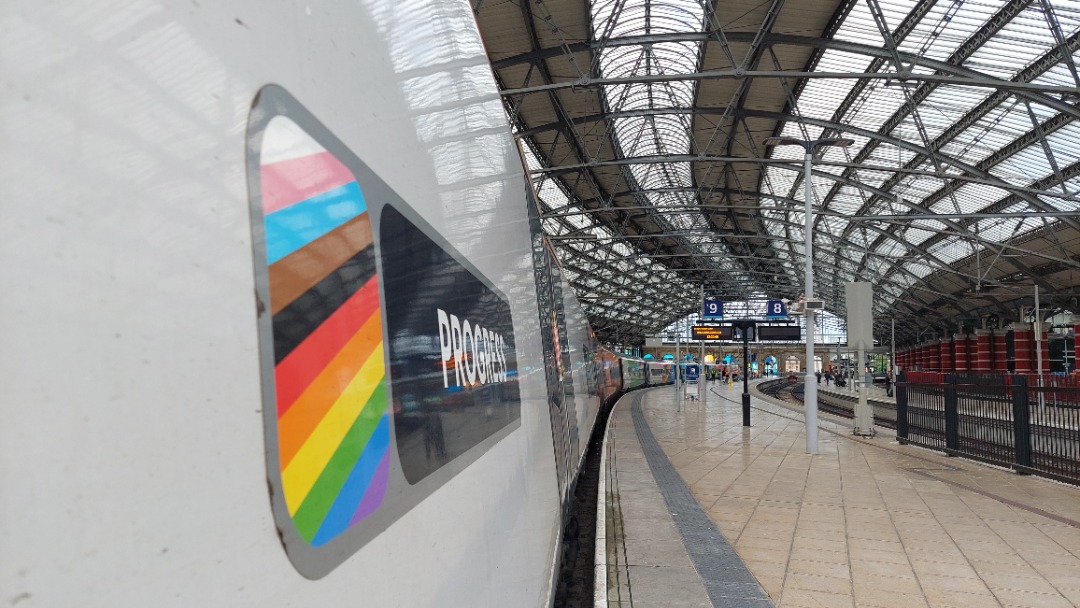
(810, 393)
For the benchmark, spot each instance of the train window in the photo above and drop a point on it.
(452, 368)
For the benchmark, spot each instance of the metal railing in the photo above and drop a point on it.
(1027, 422)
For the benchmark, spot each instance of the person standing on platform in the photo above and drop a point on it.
(888, 383)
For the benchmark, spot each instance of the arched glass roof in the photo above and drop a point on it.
(644, 123)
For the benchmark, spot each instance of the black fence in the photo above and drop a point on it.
(1028, 423)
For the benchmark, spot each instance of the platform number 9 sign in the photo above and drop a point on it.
(714, 309)
(775, 308)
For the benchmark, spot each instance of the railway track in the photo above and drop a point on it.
(792, 392)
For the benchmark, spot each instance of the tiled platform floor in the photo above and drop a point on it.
(866, 522)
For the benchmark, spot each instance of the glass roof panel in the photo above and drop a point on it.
(657, 134)
(995, 230)
(590, 282)
(945, 106)
(875, 105)
(945, 27)
(1028, 164)
(1063, 144)
(859, 239)
(914, 188)
(890, 248)
(889, 155)
(1013, 48)
(872, 179)
(919, 269)
(860, 26)
(1060, 75)
(916, 236)
(821, 98)
(951, 249)
(847, 201)
(1073, 185)
(1001, 126)
(969, 198)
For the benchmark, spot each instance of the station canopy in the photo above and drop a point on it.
(644, 125)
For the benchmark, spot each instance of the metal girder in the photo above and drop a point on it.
(906, 26)
(1059, 37)
(969, 219)
(636, 222)
(573, 138)
(985, 177)
(656, 215)
(895, 264)
(918, 212)
(960, 75)
(886, 35)
(963, 52)
(877, 217)
(976, 175)
(1059, 176)
(962, 78)
(1066, 217)
(949, 73)
(579, 254)
(738, 97)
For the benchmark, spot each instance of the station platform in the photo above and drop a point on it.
(696, 510)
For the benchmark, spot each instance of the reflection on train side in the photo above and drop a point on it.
(433, 428)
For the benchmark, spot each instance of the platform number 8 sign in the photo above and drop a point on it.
(775, 308)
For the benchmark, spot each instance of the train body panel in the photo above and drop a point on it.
(634, 373)
(660, 372)
(609, 375)
(157, 313)
(132, 443)
(583, 357)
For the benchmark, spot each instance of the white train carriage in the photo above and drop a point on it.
(253, 246)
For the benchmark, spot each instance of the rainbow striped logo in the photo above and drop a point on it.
(332, 423)
(355, 420)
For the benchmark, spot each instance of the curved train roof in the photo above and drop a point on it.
(644, 123)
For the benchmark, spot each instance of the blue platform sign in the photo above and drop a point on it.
(714, 309)
(775, 309)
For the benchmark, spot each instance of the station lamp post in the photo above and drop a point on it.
(810, 393)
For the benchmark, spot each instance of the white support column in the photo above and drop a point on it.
(810, 381)
(1038, 349)
(702, 392)
(678, 360)
(810, 393)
